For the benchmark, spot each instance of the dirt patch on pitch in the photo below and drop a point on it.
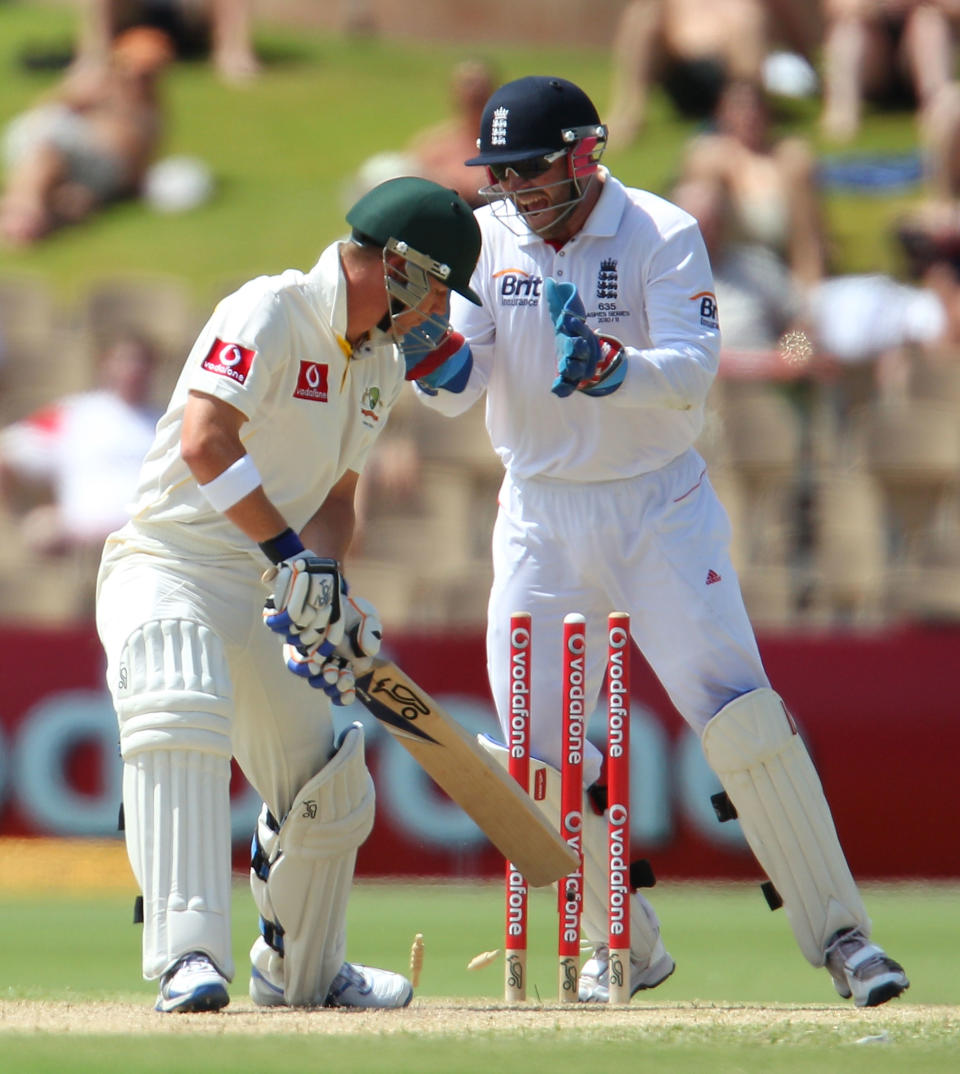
(469, 1017)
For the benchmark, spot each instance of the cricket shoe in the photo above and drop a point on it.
(353, 986)
(192, 984)
(365, 986)
(864, 971)
(595, 975)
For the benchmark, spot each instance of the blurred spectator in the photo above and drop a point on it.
(894, 53)
(693, 47)
(891, 326)
(80, 456)
(89, 144)
(438, 153)
(859, 318)
(756, 297)
(770, 184)
(218, 28)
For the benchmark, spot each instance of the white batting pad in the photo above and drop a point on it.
(177, 828)
(309, 867)
(173, 711)
(174, 690)
(545, 785)
(753, 746)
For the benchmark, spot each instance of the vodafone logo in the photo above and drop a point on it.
(231, 355)
(229, 360)
(312, 382)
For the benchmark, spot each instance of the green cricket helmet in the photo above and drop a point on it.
(430, 226)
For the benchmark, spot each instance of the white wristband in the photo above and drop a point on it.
(238, 480)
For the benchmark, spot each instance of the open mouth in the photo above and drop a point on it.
(533, 206)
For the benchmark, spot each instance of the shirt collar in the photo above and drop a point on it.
(327, 282)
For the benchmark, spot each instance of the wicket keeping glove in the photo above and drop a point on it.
(586, 362)
(336, 673)
(437, 357)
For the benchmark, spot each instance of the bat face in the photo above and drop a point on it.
(460, 767)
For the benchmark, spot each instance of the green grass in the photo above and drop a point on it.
(728, 946)
(490, 1052)
(284, 149)
(731, 954)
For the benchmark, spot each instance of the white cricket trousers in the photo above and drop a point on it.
(196, 679)
(655, 546)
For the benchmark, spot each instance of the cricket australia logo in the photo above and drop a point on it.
(607, 283)
(370, 404)
(498, 128)
(309, 809)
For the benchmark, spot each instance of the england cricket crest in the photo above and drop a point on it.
(607, 282)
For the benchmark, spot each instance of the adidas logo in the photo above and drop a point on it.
(713, 577)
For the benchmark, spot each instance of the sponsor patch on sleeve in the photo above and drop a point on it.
(709, 315)
(229, 360)
(312, 382)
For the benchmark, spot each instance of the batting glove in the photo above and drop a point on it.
(336, 672)
(306, 604)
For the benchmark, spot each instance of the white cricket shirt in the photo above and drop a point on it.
(90, 448)
(643, 274)
(276, 350)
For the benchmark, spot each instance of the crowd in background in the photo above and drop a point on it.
(834, 432)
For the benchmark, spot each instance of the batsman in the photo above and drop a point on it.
(253, 473)
(596, 344)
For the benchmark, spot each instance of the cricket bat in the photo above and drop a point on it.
(456, 763)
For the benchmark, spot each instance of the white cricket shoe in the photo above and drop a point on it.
(365, 986)
(193, 984)
(864, 971)
(595, 974)
(353, 986)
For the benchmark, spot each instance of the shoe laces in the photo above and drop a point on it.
(349, 975)
(845, 944)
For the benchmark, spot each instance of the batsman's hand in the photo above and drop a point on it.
(586, 362)
(336, 672)
(306, 605)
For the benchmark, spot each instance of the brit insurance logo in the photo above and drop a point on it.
(518, 288)
(709, 315)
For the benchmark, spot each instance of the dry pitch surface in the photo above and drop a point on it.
(467, 1017)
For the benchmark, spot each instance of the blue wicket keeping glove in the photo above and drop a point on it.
(586, 362)
(437, 357)
(578, 349)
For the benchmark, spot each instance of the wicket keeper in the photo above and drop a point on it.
(596, 344)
